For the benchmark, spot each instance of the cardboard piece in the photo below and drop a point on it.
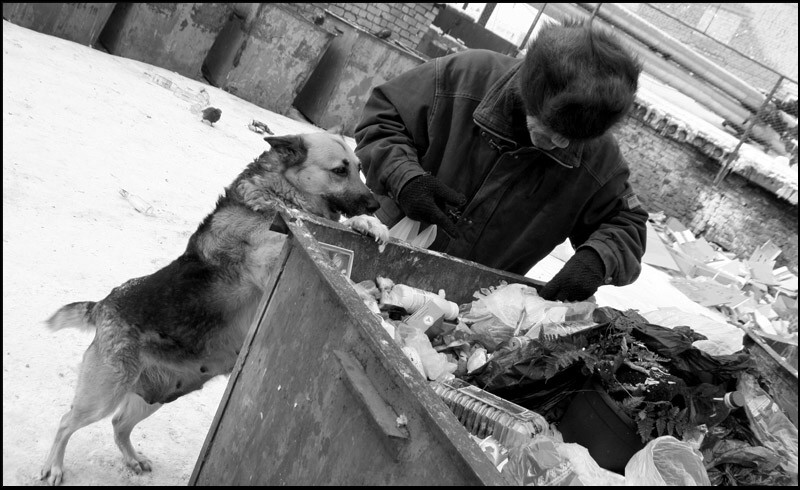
(699, 250)
(730, 267)
(785, 307)
(656, 253)
(762, 272)
(767, 252)
(694, 268)
(787, 281)
(709, 293)
(679, 231)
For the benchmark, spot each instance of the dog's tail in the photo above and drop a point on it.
(73, 315)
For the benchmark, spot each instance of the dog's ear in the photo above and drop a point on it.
(290, 149)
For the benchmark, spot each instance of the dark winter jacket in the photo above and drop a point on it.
(460, 118)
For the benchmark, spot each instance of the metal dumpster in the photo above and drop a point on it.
(321, 394)
(355, 62)
(78, 22)
(175, 36)
(273, 52)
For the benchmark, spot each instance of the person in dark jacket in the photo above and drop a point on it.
(511, 157)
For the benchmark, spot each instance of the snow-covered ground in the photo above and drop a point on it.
(78, 126)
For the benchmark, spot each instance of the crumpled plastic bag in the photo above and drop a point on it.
(539, 463)
(666, 461)
(722, 338)
(506, 303)
(587, 468)
(548, 461)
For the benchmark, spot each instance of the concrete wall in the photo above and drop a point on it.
(677, 179)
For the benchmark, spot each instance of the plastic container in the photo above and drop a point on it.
(594, 421)
(413, 299)
(484, 414)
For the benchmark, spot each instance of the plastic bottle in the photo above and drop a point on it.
(138, 203)
(412, 299)
(721, 408)
(435, 363)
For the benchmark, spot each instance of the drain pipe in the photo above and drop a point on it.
(648, 34)
(663, 70)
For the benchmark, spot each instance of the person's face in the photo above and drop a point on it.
(544, 138)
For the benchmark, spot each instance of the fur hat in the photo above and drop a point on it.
(578, 80)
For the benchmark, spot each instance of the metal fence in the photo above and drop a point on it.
(772, 126)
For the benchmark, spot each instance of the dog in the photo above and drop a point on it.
(161, 336)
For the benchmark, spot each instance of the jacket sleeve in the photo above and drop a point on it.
(393, 129)
(615, 226)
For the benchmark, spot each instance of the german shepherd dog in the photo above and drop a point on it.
(161, 336)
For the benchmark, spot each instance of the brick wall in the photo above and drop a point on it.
(408, 22)
(677, 179)
(767, 33)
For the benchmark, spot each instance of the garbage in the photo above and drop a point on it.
(666, 461)
(259, 127)
(412, 299)
(720, 408)
(747, 290)
(539, 463)
(138, 203)
(721, 338)
(769, 424)
(484, 414)
(436, 365)
(653, 378)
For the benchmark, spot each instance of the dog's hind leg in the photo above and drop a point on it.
(98, 393)
(131, 411)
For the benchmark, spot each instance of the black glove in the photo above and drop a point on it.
(424, 198)
(578, 279)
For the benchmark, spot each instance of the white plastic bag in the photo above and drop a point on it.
(507, 301)
(590, 473)
(548, 461)
(666, 461)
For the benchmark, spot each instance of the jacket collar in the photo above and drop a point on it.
(494, 112)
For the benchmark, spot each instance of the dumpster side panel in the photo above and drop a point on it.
(78, 22)
(295, 416)
(173, 36)
(312, 101)
(412, 266)
(342, 84)
(276, 58)
(371, 63)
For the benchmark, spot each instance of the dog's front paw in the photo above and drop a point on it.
(53, 473)
(369, 225)
(139, 464)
